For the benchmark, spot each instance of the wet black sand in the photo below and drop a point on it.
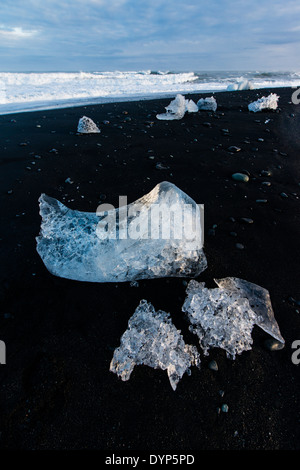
(56, 389)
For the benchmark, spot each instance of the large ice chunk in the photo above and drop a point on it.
(266, 102)
(159, 235)
(87, 126)
(224, 317)
(207, 104)
(153, 340)
(177, 108)
(241, 85)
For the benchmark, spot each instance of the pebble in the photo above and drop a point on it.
(294, 301)
(224, 408)
(273, 344)
(233, 234)
(161, 166)
(262, 201)
(234, 149)
(284, 195)
(266, 183)
(134, 284)
(240, 246)
(260, 139)
(206, 124)
(10, 191)
(266, 173)
(247, 220)
(213, 365)
(240, 177)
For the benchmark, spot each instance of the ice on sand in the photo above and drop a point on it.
(177, 108)
(207, 104)
(242, 85)
(159, 235)
(153, 340)
(224, 317)
(266, 102)
(87, 126)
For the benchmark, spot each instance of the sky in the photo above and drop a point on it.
(174, 35)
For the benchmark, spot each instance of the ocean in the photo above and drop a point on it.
(33, 91)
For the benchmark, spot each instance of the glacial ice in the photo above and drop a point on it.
(242, 85)
(224, 317)
(269, 102)
(143, 240)
(177, 108)
(153, 340)
(207, 104)
(87, 126)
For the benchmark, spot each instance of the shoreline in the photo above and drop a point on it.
(57, 392)
(126, 99)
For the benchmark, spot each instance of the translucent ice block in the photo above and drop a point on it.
(152, 339)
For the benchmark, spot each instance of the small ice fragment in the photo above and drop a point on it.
(269, 102)
(207, 104)
(259, 300)
(87, 126)
(191, 106)
(153, 340)
(224, 317)
(159, 235)
(177, 109)
(241, 85)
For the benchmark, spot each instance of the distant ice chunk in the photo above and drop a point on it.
(87, 126)
(266, 102)
(153, 340)
(207, 104)
(159, 235)
(242, 85)
(177, 109)
(191, 106)
(224, 317)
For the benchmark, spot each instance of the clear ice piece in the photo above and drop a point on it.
(207, 104)
(224, 317)
(241, 85)
(87, 126)
(153, 340)
(177, 108)
(259, 300)
(143, 240)
(266, 102)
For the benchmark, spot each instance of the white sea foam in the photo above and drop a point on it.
(33, 91)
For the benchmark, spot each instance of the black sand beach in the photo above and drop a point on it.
(56, 388)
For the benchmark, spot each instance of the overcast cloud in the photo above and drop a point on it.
(98, 35)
